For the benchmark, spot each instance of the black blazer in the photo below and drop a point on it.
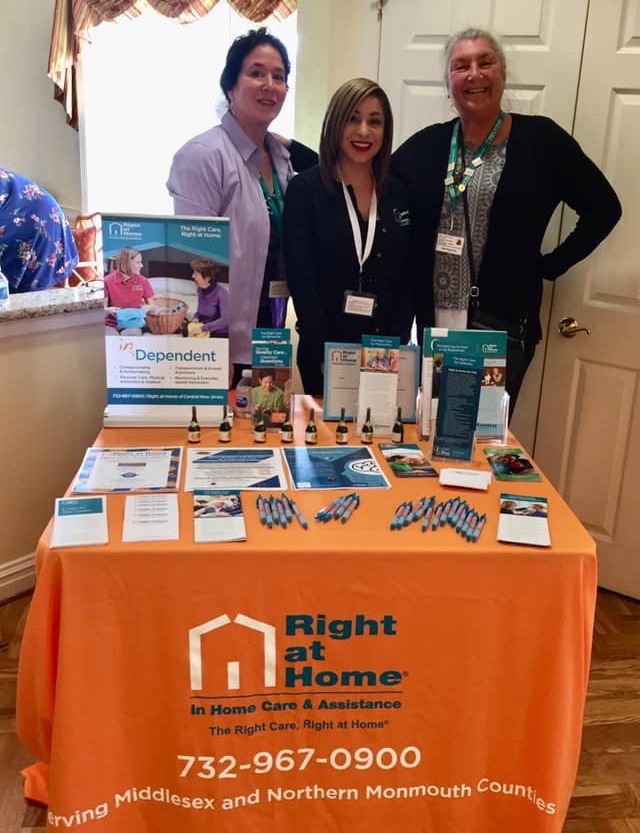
(321, 263)
(544, 167)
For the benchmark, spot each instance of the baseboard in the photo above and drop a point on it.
(17, 576)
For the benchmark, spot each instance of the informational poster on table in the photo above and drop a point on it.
(487, 345)
(342, 379)
(166, 318)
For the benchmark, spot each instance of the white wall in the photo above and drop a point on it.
(34, 138)
(52, 383)
(338, 40)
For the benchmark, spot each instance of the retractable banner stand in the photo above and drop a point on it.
(166, 322)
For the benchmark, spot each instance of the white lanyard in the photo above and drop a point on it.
(362, 254)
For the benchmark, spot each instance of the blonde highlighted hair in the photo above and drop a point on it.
(343, 102)
(123, 261)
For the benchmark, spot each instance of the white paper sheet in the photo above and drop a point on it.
(80, 522)
(151, 518)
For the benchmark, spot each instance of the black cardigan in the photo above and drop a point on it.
(544, 166)
(321, 263)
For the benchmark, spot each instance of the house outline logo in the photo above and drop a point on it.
(233, 666)
(115, 229)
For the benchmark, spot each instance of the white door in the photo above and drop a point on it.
(543, 43)
(589, 430)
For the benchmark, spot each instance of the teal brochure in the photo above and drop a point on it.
(491, 347)
(271, 376)
(459, 396)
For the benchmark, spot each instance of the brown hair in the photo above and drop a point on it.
(343, 102)
(208, 269)
(123, 261)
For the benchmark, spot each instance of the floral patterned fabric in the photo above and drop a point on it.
(36, 245)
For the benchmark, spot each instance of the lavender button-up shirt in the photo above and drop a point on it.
(216, 174)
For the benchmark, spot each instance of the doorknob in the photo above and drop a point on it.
(568, 327)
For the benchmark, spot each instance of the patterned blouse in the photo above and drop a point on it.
(451, 280)
(37, 249)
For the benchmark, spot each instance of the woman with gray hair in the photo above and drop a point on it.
(483, 187)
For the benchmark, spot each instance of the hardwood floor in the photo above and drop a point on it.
(607, 793)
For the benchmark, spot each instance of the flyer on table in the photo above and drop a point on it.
(129, 470)
(166, 318)
(217, 516)
(334, 467)
(378, 386)
(234, 468)
(342, 378)
(80, 522)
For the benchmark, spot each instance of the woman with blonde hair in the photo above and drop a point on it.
(126, 287)
(346, 233)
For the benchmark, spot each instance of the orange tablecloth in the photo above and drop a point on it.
(468, 716)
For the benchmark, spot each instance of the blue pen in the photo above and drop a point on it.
(301, 519)
(419, 511)
(267, 512)
(454, 505)
(396, 515)
(260, 505)
(436, 516)
(353, 505)
(344, 502)
(462, 519)
(405, 515)
(281, 513)
(467, 522)
(427, 514)
(445, 512)
(287, 508)
(476, 532)
(462, 506)
(472, 525)
(274, 510)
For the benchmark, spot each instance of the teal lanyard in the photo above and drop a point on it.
(457, 185)
(275, 200)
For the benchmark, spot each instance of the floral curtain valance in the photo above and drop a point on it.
(72, 19)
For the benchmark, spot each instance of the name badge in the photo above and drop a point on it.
(359, 303)
(450, 244)
(278, 289)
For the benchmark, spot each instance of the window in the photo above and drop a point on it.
(148, 85)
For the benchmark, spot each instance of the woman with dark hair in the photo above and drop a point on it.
(346, 235)
(239, 170)
(483, 188)
(212, 314)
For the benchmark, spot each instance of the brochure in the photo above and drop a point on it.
(271, 376)
(334, 467)
(457, 407)
(217, 516)
(129, 470)
(524, 520)
(342, 379)
(511, 464)
(378, 385)
(151, 518)
(234, 468)
(491, 347)
(166, 327)
(80, 522)
(407, 460)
